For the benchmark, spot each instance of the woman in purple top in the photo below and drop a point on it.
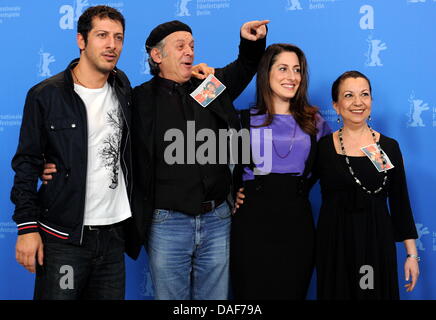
(272, 243)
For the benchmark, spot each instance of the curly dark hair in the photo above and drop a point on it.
(84, 25)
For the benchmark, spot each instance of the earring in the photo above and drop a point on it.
(369, 118)
(338, 120)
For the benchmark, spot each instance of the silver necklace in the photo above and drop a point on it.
(385, 178)
(290, 147)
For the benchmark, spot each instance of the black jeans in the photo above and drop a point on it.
(93, 271)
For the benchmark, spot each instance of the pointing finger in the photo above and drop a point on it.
(260, 23)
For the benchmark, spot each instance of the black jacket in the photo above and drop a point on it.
(235, 76)
(54, 129)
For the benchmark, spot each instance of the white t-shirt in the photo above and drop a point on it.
(106, 194)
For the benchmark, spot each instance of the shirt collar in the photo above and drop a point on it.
(171, 86)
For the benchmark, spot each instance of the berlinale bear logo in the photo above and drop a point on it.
(422, 230)
(45, 58)
(373, 54)
(417, 106)
(182, 8)
(294, 5)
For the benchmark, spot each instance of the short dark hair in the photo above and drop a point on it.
(84, 25)
(347, 74)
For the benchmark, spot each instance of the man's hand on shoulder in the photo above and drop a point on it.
(202, 70)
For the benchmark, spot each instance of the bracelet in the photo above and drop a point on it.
(414, 256)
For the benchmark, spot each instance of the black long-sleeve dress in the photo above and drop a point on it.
(356, 229)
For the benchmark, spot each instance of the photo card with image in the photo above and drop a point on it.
(208, 90)
(372, 151)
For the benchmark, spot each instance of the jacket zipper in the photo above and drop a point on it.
(86, 170)
(124, 150)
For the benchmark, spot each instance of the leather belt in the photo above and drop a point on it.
(207, 206)
(104, 227)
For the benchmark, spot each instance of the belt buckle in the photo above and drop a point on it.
(208, 206)
(212, 205)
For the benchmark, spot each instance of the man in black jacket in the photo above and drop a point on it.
(74, 230)
(183, 205)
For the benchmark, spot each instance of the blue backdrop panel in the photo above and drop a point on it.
(392, 42)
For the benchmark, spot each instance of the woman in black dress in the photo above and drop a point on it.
(273, 234)
(356, 234)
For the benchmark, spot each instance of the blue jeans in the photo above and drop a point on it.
(93, 271)
(189, 255)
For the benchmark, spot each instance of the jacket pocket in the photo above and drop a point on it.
(65, 143)
(65, 139)
(61, 124)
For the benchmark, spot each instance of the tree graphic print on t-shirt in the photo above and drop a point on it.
(110, 152)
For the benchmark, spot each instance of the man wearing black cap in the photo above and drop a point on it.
(184, 205)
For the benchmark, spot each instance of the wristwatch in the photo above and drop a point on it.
(414, 256)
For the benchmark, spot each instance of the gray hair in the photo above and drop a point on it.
(154, 66)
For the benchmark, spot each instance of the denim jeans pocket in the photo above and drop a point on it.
(160, 215)
(222, 211)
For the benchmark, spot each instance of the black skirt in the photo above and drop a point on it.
(272, 240)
